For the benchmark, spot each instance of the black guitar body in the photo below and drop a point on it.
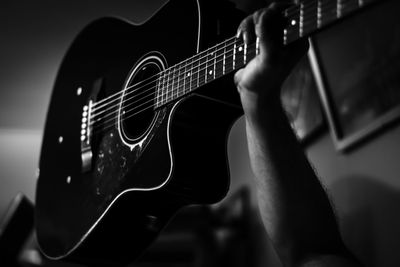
(141, 170)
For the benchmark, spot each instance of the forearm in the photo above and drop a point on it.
(293, 205)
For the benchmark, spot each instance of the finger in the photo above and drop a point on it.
(269, 29)
(246, 30)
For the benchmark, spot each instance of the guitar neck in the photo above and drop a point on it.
(204, 67)
(304, 18)
(309, 16)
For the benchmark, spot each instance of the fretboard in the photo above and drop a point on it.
(304, 18)
(202, 68)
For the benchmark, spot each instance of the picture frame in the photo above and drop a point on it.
(356, 65)
(301, 102)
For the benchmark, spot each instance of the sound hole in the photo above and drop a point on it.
(137, 109)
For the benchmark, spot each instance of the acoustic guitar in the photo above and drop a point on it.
(138, 122)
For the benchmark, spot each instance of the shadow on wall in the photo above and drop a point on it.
(369, 219)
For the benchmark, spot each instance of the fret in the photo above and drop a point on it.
(180, 80)
(239, 55)
(219, 60)
(309, 18)
(319, 14)
(175, 89)
(257, 46)
(210, 64)
(234, 55)
(165, 87)
(229, 48)
(215, 62)
(159, 91)
(175, 82)
(328, 12)
(229, 66)
(183, 77)
(301, 19)
(195, 72)
(245, 54)
(188, 76)
(170, 83)
(171, 78)
(338, 8)
(224, 59)
(202, 69)
(291, 32)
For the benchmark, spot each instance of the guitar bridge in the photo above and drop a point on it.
(86, 129)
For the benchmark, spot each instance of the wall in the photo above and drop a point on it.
(365, 188)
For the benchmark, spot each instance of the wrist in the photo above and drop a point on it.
(261, 105)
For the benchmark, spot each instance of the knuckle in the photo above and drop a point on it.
(258, 14)
(244, 25)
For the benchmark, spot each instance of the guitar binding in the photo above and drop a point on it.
(138, 105)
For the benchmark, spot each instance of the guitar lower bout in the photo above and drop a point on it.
(126, 142)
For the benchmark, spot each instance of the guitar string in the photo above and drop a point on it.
(324, 4)
(177, 70)
(286, 13)
(346, 7)
(112, 120)
(326, 7)
(175, 79)
(310, 11)
(172, 72)
(171, 85)
(297, 7)
(116, 94)
(168, 96)
(173, 68)
(180, 68)
(174, 89)
(170, 68)
(294, 10)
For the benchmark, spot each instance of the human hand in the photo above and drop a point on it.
(263, 76)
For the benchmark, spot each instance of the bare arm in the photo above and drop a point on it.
(293, 205)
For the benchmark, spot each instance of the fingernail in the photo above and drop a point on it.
(238, 34)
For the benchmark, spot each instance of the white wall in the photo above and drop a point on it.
(18, 163)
